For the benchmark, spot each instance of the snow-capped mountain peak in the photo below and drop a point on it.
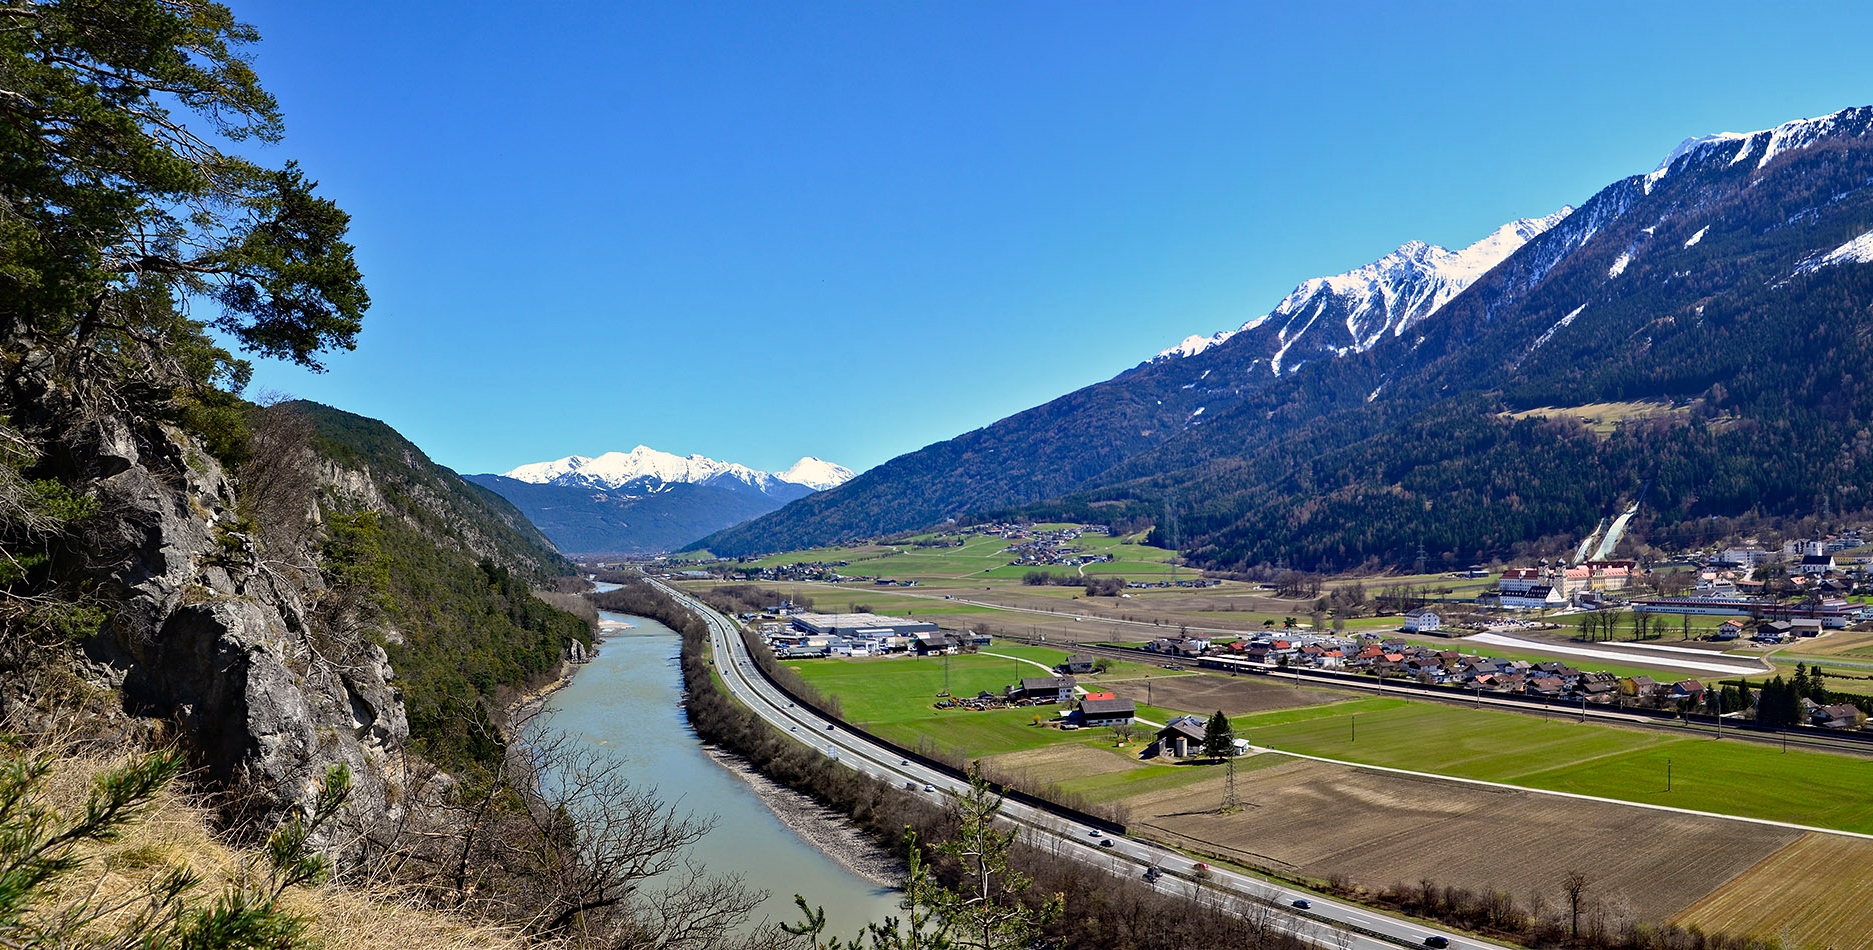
(644, 464)
(817, 474)
(1763, 144)
(1384, 297)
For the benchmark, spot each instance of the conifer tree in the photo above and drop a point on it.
(1219, 738)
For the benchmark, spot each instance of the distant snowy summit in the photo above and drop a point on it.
(650, 468)
(817, 474)
(1326, 317)
(1352, 312)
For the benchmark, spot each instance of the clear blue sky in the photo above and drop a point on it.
(849, 229)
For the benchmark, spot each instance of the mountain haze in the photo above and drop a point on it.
(1723, 296)
(645, 501)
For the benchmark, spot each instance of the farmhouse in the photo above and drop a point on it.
(1422, 620)
(1080, 663)
(1181, 735)
(1046, 689)
(932, 644)
(1106, 712)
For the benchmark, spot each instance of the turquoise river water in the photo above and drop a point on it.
(627, 702)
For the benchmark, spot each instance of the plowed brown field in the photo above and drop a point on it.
(1317, 820)
(1809, 894)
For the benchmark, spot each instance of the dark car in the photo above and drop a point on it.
(1303, 903)
(1106, 843)
(829, 727)
(1436, 941)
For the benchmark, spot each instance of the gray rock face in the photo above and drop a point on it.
(211, 636)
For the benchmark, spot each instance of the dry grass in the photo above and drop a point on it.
(1064, 762)
(1809, 894)
(1235, 696)
(1604, 417)
(176, 832)
(1318, 820)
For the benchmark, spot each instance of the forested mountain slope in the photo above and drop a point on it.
(1723, 298)
(452, 566)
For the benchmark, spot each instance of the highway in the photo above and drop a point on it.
(1326, 922)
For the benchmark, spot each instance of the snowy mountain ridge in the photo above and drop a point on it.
(644, 464)
(1384, 297)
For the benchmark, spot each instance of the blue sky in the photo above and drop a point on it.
(849, 229)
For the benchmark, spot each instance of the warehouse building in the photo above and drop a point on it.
(860, 626)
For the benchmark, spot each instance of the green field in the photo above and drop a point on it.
(1728, 777)
(895, 696)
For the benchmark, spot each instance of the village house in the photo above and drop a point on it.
(1422, 620)
(1106, 710)
(1639, 688)
(1181, 737)
(1838, 716)
(1080, 663)
(1046, 689)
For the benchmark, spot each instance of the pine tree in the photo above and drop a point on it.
(1219, 738)
(986, 910)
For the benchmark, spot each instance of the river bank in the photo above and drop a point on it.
(827, 829)
(831, 831)
(628, 701)
(531, 701)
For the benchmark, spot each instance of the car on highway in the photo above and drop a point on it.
(1092, 833)
(903, 761)
(1436, 941)
(1106, 843)
(929, 788)
(1303, 903)
(829, 727)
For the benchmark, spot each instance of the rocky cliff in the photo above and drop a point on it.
(174, 612)
(223, 605)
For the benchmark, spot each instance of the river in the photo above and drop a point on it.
(627, 701)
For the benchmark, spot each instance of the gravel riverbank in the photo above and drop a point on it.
(829, 831)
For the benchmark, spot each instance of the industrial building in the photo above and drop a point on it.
(860, 626)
